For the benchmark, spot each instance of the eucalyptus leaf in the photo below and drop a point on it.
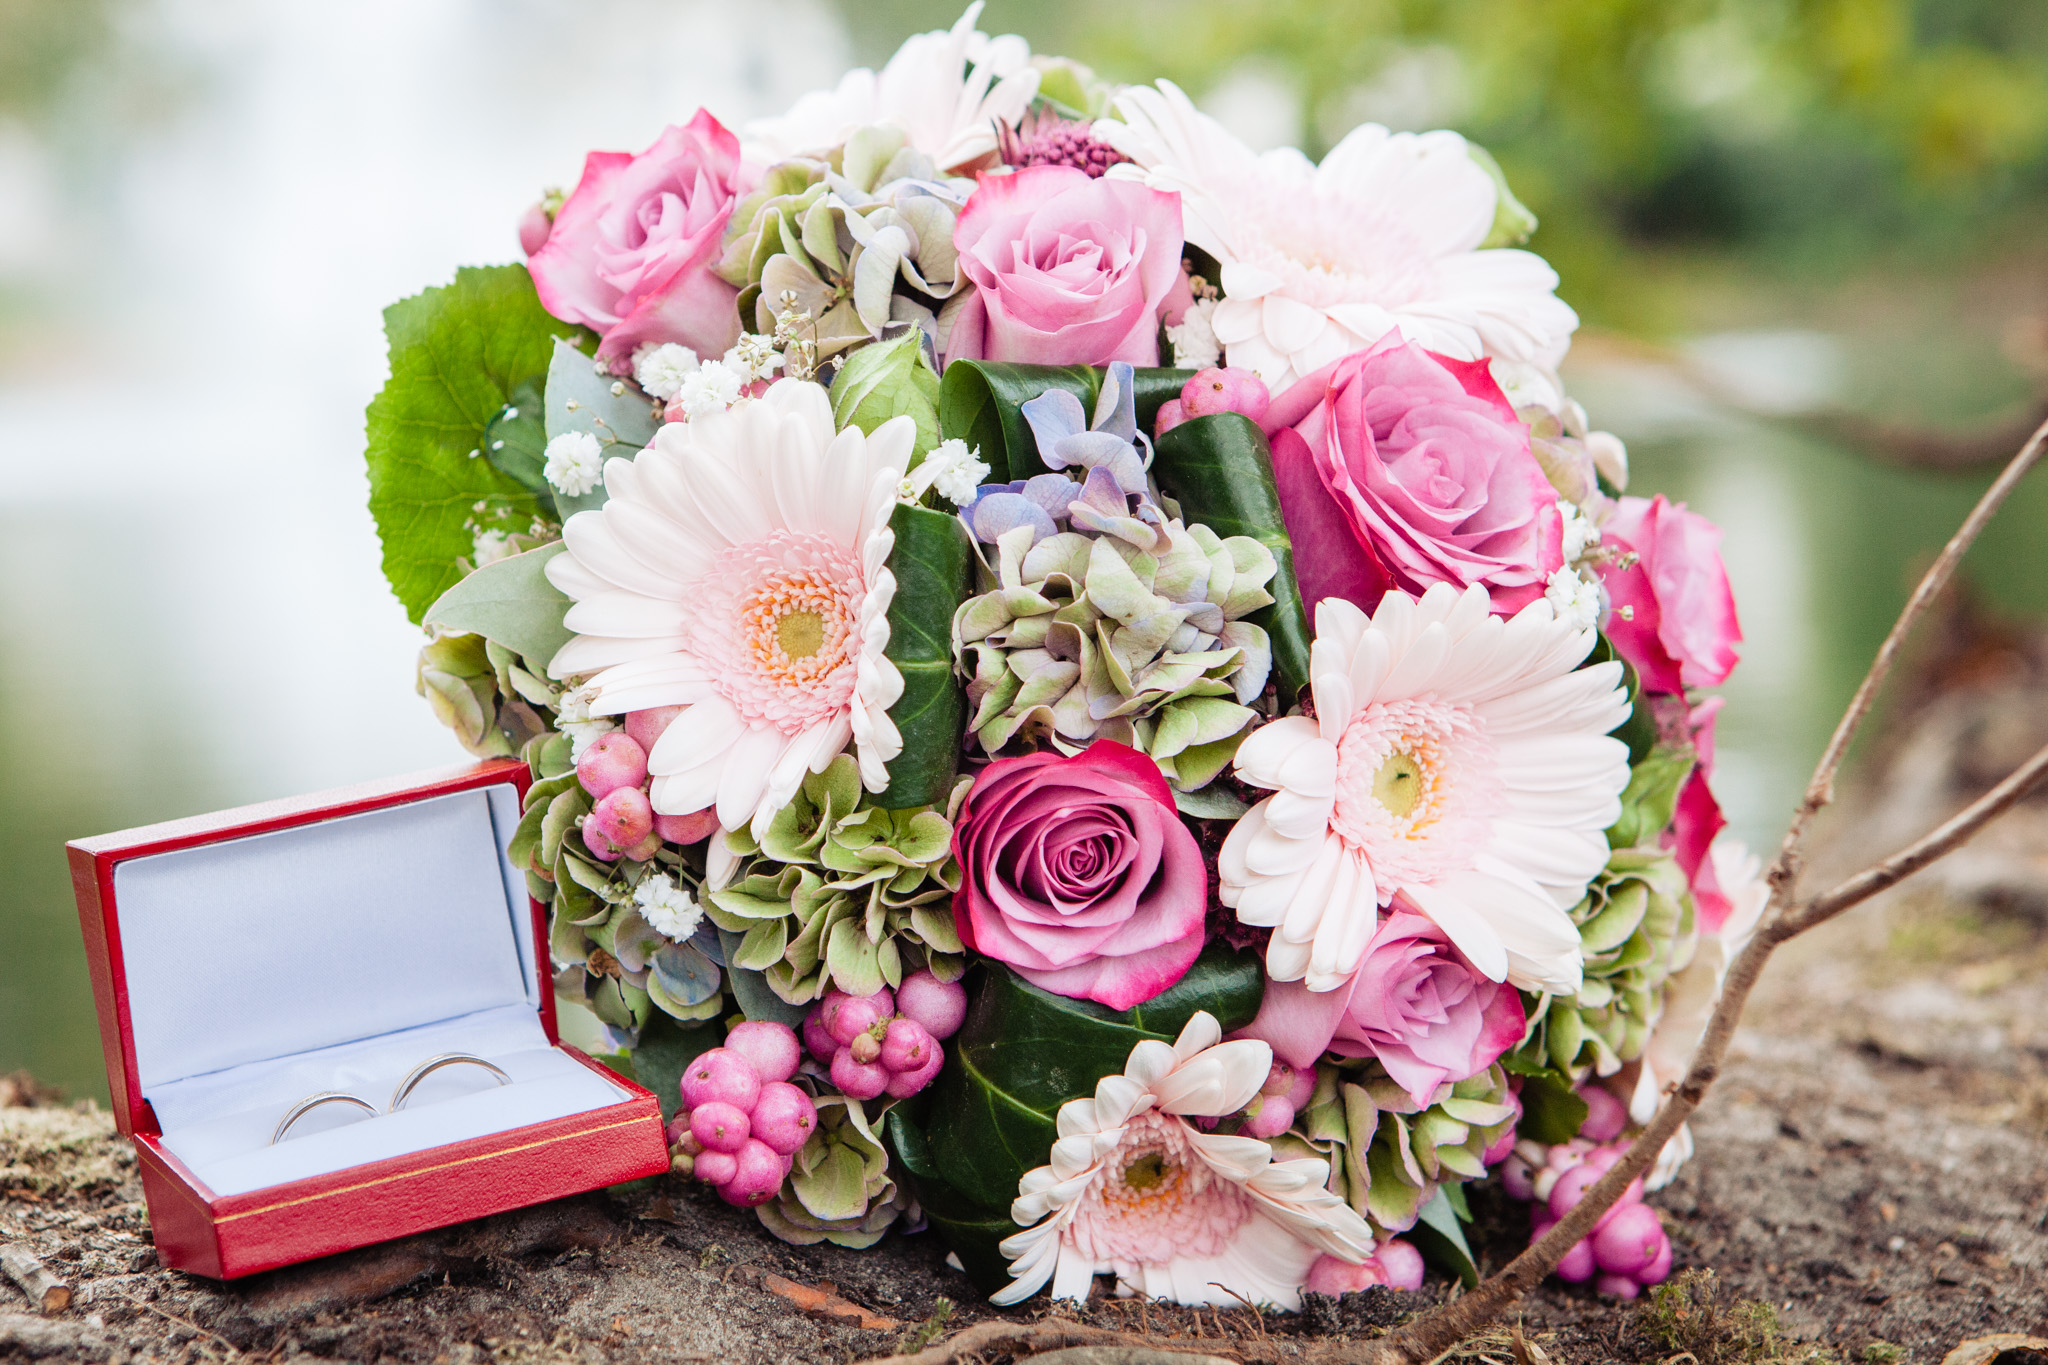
(750, 989)
(932, 561)
(458, 354)
(1220, 470)
(512, 602)
(686, 975)
(580, 397)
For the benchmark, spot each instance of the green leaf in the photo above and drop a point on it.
(1440, 1237)
(1651, 797)
(512, 602)
(932, 562)
(516, 441)
(1220, 470)
(1551, 1109)
(458, 353)
(980, 402)
(1513, 224)
(972, 1232)
(885, 381)
(1023, 1052)
(665, 1048)
(1639, 731)
(750, 988)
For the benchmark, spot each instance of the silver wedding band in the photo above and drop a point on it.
(398, 1096)
(433, 1064)
(312, 1102)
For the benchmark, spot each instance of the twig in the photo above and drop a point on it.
(49, 1294)
(234, 1351)
(1425, 1337)
(1021, 1337)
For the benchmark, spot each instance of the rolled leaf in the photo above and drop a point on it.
(510, 602)
(1220, 470)
(932, 562)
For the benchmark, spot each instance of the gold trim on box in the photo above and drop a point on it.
(426, 1170)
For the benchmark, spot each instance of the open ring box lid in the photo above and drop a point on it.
(244, 960)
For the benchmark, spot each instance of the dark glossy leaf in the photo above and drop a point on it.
(1639, 731)
(458, 354)
(1220, 470)
(1551, 1109)
(512, 602)
(750, 989)
(516, 441)
(1440, 1237)
(932, 562)
(979, 402)
(975, 1234)
(1023, 1052)
(665, 1048)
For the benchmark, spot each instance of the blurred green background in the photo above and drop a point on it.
(1805, 237)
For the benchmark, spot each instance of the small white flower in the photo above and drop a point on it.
(1580, 534)
(573, 718)
(711, 387)
(1574, 597)
(575, 462)
(661, 369)
(954, 470)
(489, 547)
(668, 908)
(1194, 338)
(753, 358)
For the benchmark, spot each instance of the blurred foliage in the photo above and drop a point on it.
(1820, 130)
(41, 41)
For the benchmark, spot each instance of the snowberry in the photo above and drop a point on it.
(820, 1044)
(1515, 1176)
(784, 1117)
(1268, 1116)
(646, 726)
(1606, 1116)
(847, 1015)
(1400, 1262)
(721, 1127)
(865, 1047)
(940, 1006)
(693, 828)
(1617, 1286)
(613, 760)
(770, 1048)
(1332, 1276)
(716, 1168)
(1171, 414)
(620, 820)
(1577, 1266)
(904, 1084)
(1230, 389)
(907, 1045)
(1659, 1268)
(758, 1177)
(721, 1075)
(1630, 1240)
(858, 1080)
(1570, 1188)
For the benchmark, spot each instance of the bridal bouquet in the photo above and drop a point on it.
(1086, 687)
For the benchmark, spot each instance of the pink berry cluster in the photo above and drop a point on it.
(613, 770)
(888, 1042)
(1628, 1250)
(1272, 1110)
(1212, 391)
(1394, 1263)
(742, 1121)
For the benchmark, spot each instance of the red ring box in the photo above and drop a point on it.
(246, 959)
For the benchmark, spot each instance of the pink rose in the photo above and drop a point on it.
(1697, 821)
(631, 251)
(1416, 1004)
(1078, 873)
(1674, 613)
(1067, 269)
(1401, 468)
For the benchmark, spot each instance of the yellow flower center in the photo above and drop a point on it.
(801, 634)
(1399, 784)
(796, 626)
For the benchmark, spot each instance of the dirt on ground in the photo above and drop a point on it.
(1871, 1184)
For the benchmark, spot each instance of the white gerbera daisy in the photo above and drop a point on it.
(1136, 1191)
(739, 571)
(1321, 261)
(948, 90)
(1457, 760)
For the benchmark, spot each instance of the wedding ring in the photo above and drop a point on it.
(433, 1064)
(311, 1102)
